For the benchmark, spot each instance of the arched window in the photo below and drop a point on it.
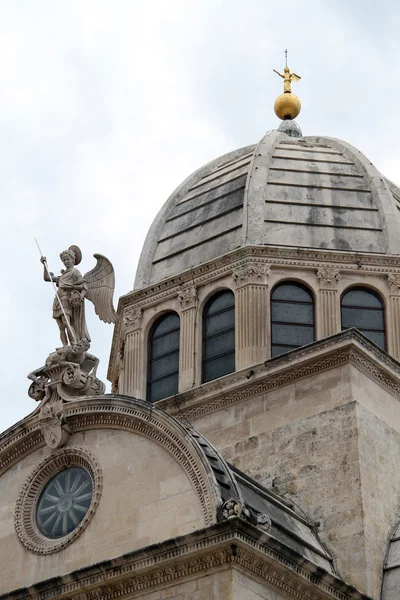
(362, 308)
(163, 369)
(292, 317)
(219, 336)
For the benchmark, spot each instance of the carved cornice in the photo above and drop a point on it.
(328, 277)
(346, 347)
(232, 544)
(188, 297)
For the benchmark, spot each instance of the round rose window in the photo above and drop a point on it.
(64, 502)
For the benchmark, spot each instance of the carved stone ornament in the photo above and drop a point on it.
(264, 522)
(53, 425)
(233, 508)
(328, 277)
(68, 373)
(188, 297)
(25, 521)
(230, 509)
(394, 282)
(132, 317)
(249, 272)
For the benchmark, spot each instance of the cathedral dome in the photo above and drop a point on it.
(306, 192)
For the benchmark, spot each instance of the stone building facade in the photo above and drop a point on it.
(267, 299)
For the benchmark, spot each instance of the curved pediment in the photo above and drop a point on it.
(148, 479)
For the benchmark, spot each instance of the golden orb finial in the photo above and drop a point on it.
(287, 105)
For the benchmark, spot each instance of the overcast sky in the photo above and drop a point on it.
(106, 106)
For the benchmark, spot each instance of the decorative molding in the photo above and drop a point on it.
(328, 277)
(188, 297)
(231, 544)
(24, 517)
(132, 317)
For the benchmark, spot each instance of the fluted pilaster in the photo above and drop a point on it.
(188, 300)
(132, 377)
(252, 314)
(393, 322)
(329, 309)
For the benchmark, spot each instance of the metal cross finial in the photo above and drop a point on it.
(286, 57)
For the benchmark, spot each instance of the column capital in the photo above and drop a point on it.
(248, 272)
(188, 297)
(328, 277)
(132, 318)
(394, 282)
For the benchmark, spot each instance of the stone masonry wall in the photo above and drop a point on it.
(316, 442)
(379, 448)
(146, 498)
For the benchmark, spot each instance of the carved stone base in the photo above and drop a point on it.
(60, 381)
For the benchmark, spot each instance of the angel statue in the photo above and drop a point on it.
(288, 77)
(69, 303)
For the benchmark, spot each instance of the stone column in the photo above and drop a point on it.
(132, 380)
(329, 305)
(393, 316)
(252, 314)
(187, 347)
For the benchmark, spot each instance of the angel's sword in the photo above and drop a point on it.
(57, 296)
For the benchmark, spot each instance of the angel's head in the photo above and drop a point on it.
(286, 69)
(68, 258)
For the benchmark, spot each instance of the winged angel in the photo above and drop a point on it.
(69, 304)
(288, 77)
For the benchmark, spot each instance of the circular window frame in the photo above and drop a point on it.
(25, 511)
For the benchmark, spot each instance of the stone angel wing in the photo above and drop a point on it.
(101, 283)
(295, 77)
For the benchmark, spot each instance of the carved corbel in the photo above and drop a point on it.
(328, 277)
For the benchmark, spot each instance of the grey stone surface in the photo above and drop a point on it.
(309, 192)
(291, 128)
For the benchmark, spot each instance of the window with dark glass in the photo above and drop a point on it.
(64, 502)
(219, 336)
(292, 317)
(362, 308)
(163, 371)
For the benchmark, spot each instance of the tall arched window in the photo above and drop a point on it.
(292, 317)
(362, 308)
(163, 369)
(219, 336)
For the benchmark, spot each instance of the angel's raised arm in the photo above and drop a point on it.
(280, 74)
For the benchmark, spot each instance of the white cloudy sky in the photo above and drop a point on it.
(106, 106)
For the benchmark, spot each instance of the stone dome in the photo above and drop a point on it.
(308, 192)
